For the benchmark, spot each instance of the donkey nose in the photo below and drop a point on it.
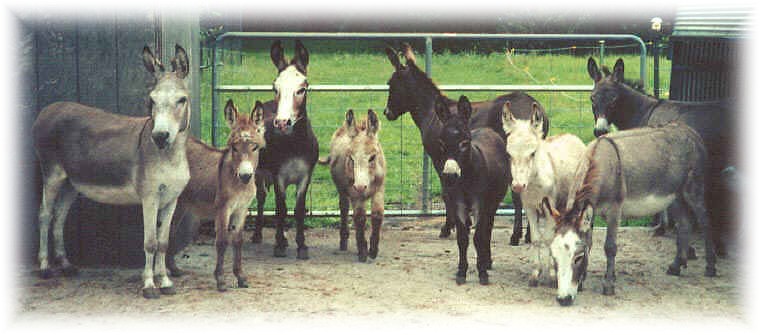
(518, 188)
(245, 177)
(360, 188)
(599, 132)
(282, 124)
(160, 138)
(565, 301)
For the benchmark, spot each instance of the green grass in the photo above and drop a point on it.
(357, 62)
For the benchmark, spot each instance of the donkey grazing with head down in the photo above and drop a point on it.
(292, 148)
(631, 173)
(540, 168)
(357, 166)
(118, 160)
(476, 175)
(410, 90)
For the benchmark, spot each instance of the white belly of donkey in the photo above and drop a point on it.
(647, 205)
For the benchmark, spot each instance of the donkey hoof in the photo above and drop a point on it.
(528, 239)
(514, 240)
(608, 289)
(461, 280)
(483, 277)
(303, 253)
(710, 272)
(692, 254)
(373, 253)
(280, 252)
(674, 270)
(70, 271)
(169, 290)
(445, 233)
(47, 273)
(256, 238)
(221, 286)
(150, 293)
(362, 258)
(533, 282)
(343, 245)
(242, 283)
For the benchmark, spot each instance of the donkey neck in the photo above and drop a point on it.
(637, 108)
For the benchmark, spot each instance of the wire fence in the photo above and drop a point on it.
(568, 110)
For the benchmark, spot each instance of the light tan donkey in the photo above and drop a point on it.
(235, 188)
(357, 166)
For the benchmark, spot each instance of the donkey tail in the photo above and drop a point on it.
(324, 160)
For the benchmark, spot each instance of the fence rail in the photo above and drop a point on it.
(217, 88)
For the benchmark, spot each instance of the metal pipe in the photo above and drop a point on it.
(384, 88)
(425, 157)
(390, 212)
(214, 98)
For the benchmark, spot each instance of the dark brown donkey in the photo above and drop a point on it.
(620, 102)
(357, 167)
(476, 175)
(226, 172)
(292, 148)
(119, 160)
(410, 90)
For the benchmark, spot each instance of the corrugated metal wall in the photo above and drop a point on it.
(97, 62)
(703, 69)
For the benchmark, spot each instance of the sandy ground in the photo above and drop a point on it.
(413, 276)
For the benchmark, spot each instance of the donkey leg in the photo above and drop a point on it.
(610, 249)
(694, 197)
(171, 265)
(450, 222)
(517, 226)
(378, 209)
(53, 180)
(150, 246)
(343, 202)
(482, 247)
(238, 220)
(360, 220)
(261, 198)
(66, 197)
(300, 214)
(658, 223)
(463, 239)
(221, 225)
(536, 246)
(164, 230)
(281, 243)
(679, 210)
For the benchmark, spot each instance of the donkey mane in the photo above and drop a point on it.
(583, 195)
(427, 82)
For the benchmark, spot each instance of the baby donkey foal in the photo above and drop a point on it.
(357, 166)
(235, 189)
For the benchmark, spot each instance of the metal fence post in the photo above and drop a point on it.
(425, 157)
(656, 68)
(214, 98)
(601, 53)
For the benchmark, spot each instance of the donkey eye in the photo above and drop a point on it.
(578, 259)
(182, 100)
(301, 91)
(372, 158)
(533, 154)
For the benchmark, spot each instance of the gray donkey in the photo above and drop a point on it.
(631, 173)
(120, 160)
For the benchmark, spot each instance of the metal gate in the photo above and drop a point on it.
(425, 207)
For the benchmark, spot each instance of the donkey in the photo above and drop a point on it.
(541, 168)
(618, 101)
(410, 90)
(476, 175)
(119, 160)
(357, 166)
(631, 173)
(292, 148)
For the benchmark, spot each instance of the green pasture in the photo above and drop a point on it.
(359, 62)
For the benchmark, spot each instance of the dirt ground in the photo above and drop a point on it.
(413, 275)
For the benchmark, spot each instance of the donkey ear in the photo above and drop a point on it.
(373, 123)
(278, 57)
(351, 123)
(257, 113)
(586, 219)
(546, 205)
(393, 57)
(230, 113)
(593, 70)
(618, 70)
(537, 118)
(507, 118)
(180, 63)
(464, 108)
(152, 64)
(301, 58)
(408, 53)
(442, 110)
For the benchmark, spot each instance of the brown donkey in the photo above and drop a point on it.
(357, 165)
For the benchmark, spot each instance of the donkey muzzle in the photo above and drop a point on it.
(283, 125)
(518, 188)
(360, 188)
(161, 139)
(565, 301)
(601, 127)
(245, 177)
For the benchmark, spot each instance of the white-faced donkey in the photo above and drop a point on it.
(357, 166)
(119, 160)
(626, 174)
(541, 168)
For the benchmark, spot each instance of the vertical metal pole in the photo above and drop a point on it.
(214, 98)
(426, 158)
(656, 68)
(601, 53)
